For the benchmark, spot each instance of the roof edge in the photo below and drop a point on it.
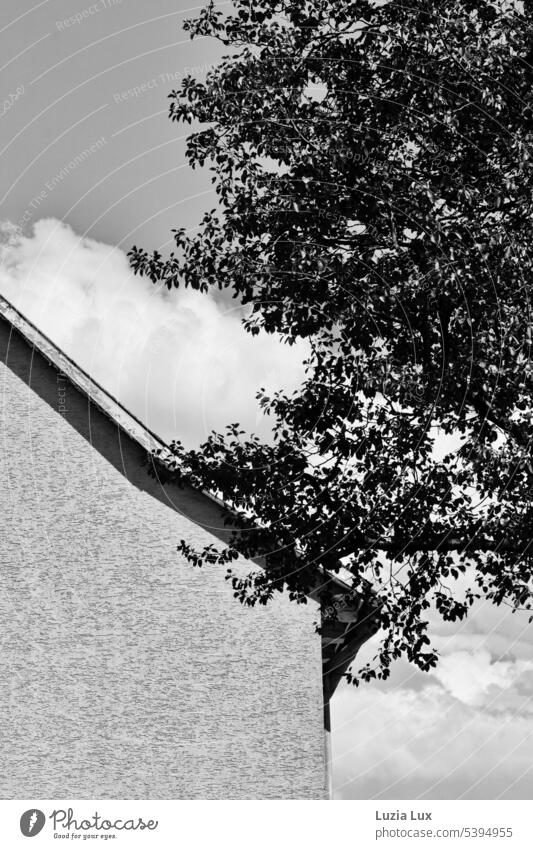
(81, 379)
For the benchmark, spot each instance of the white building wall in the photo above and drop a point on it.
(124, 671)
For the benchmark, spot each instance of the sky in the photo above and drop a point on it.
(89, 166)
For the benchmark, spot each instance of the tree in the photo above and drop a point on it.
(374, 173)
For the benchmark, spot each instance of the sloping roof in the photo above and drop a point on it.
(341, 637)
(79, 378)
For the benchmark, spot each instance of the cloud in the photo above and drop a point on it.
(403, 744)
(465, 729)
(181, 362)
(471, 677)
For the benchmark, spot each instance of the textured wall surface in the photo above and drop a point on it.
(124, 672)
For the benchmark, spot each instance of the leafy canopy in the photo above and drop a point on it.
(374, 173)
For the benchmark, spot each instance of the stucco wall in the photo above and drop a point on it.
(124, 672)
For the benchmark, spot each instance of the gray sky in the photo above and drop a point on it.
(104, 77)
(98, 83)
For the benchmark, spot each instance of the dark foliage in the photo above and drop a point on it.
(374, 171)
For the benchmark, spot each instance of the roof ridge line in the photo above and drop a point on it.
(75, 373)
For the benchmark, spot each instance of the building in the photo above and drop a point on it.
(125, 672)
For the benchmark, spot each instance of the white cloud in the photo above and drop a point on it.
(178, 360)
(403, 744)
(472, 677)
(464, 729)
